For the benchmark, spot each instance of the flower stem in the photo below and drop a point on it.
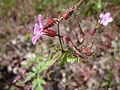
(60, 37)
(81, 31)
(78, 3)
(21, 76)
(76, 6)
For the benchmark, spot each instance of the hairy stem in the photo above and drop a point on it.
(78, 3)
(60, 37)
(76, 6)
(81, 31)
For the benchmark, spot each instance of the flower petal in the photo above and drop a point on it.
(105, 18)
(101, 21)
(36, 29)
(105, 23)
(110, 19)
(101, 15)
(35, 38)
(107, 14)
(40, 20)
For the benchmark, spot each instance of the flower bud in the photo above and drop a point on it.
(68, 41)
(106, 44)
(50, 33)
(92, 33)
(68, 14)
(88, 51)
(50, 22)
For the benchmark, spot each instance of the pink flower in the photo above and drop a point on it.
(105, 18)
(38, 30)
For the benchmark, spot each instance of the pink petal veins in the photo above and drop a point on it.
(105, 23)
(110, 19)
(35, 38)
(101, 15)
(36, 29)
(40, 20)
(107, 14)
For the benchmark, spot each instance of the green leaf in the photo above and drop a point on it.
(30, 76)
(104, 84)
(71, 60)
(63, 59)
(39, 87)
(37, 83)
(50, 62)
(34, 60)
(42, 81)
(38, 58)
(34, 84)
(99, 4)
(78, 59)
(34, 69)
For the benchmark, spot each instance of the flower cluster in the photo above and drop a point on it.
(40, 30)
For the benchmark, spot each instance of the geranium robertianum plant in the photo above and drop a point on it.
(70, 53)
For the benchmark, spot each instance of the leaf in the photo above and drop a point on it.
(78, 59)
(34, 69)
(42, 81)
(30, 76)
(39, 87)
(63, 59)
(33, 60)
(50, 62)
(71, 60)
(34, 84)
(104, 84)
(99, 4)
(38, 58)
(37, 83)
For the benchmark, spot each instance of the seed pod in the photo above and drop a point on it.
(68, 14)
(50, 32)
(50, 22)
(88, 51)
(92, 33)
(80, 49)
(66, 39)
(107, 44)
(69, 42)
